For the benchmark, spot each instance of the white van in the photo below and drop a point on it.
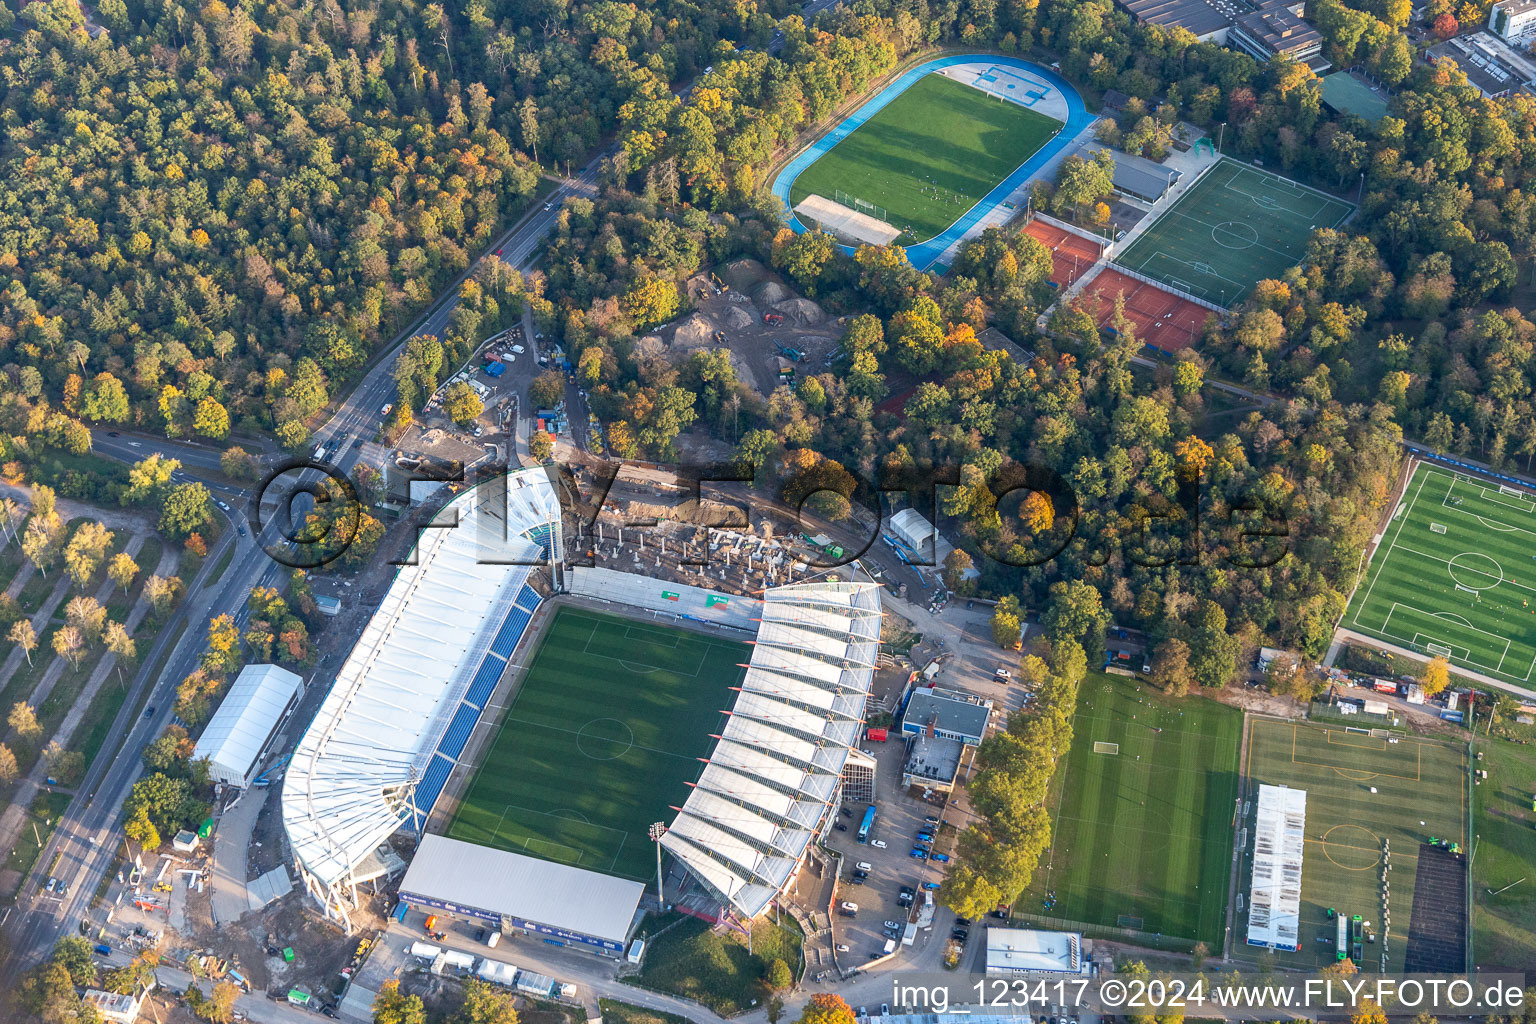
(890, 946)
(864, 865)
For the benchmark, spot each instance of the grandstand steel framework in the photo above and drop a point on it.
(769, 786)
(378, 752)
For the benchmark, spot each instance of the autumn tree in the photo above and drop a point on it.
(1437, 676)
(391, 1006)
(1006, 621)
(462, 404)
(122, 570)
(23, 719)
(1170, 666)
(187, 507)
(24, 636)
(826, 1008)
(8, 767)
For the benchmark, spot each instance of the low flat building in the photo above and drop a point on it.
(569, 905)
(1028, 951)
(1491, 65)
(1208, 20)
(1141, 178)
(1513, 21)
(112, 1006)
(948, 714)
(1346, 93)
(1275, 30)
(933, 762)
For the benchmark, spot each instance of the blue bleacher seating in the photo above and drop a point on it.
(430, 787)
(458, 731)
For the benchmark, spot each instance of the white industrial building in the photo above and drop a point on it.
(769, 786)
(920, 538)
(381, 747)
(1274, 901)
(1513, 21)
(245, 721)
(510, 891)
(1028, 951)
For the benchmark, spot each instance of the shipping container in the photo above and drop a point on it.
(877, 735)
(1451, 716)
(1385, 686)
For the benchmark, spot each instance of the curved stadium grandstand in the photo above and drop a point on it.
(531, 721)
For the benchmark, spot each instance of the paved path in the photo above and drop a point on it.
(14, 817)
(231, 841)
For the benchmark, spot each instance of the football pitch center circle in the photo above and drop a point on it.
(1229, 234)
(1349, 856)
(604, 739)
(1477, 577)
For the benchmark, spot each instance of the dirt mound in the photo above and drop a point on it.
(697, 331)
(744, 274)
(802, 311)
(770, 293)
(736, 318)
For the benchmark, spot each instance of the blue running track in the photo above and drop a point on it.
(923, 254)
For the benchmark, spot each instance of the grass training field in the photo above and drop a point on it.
(602, 738)
(928, 156)
(1235, 227)
(1505, 826)
(1143, 815)
(1454, 575)
(1416, 780)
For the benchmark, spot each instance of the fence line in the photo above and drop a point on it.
(1074, 229)
(1181, 293)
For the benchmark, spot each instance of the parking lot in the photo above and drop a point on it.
(887, 864)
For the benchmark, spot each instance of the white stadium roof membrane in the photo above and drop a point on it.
(770, 782)
(351, 782)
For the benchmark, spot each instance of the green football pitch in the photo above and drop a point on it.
(1415, 781)
(928, 156)
(1143, 813)
(603, 737)
(1234, 227)
(1455, 575)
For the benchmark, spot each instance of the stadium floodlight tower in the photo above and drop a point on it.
(379, 751)
(656, 831)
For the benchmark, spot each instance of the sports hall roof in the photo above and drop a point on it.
(767, 787)
(352, 778)
(1274, 912)
(246, 717)
(515, 885)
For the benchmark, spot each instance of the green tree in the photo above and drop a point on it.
(541, 446)
(484, 1003)
(239, 464)
(211, 419)
(186, 510)
(391, 1006)
(778, 977)
(1006, 622)
(104, 399)
(547, 389)
(462, 403)
(122, 570)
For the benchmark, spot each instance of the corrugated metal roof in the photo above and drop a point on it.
(1274, 911)
(770, 781)
(513, 885)
(244, 720)
(351, 779)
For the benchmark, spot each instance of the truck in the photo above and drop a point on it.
(389, 407)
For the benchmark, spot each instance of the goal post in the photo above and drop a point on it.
(1514, 492)
(1101, 747)
(1436, 527)
(1442, 650)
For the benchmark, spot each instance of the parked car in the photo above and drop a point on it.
(860, 874)
(850, 906)
(864, 865)
(919, 853)
(893, 924)
(878, 844)
(840, 826)
(942, 858)
(925, 837)
(842, 948)
(931, 819)
(934, 887)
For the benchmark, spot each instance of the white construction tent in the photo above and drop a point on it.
(244, 722)
(767, 790)
(1274, 902)
(845, 222)
(380, 749)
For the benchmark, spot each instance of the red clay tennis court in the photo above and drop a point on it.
(1163, 320)
(1071, 254)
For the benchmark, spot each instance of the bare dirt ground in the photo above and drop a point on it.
(736, 308)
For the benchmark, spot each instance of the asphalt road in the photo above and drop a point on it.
(86, 839)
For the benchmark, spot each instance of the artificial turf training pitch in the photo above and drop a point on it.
(1143, 813)
(1234, 227)
(1415, 781)
(602, 738)
(1455, 575)
(929, 155)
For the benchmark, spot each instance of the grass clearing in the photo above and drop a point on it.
(604, 735)
(1455, 574)
(1415, 779)
(615, 1012)
(1504, 823)
(1235, 227)
(41, 819)
(219, 566)
(929, 155)
(714, 968)
(1143, 836)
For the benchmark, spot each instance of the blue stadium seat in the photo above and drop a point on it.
(431, 787)
(485, 681)
(458, 731)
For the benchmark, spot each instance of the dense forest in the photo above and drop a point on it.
(212, 217)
